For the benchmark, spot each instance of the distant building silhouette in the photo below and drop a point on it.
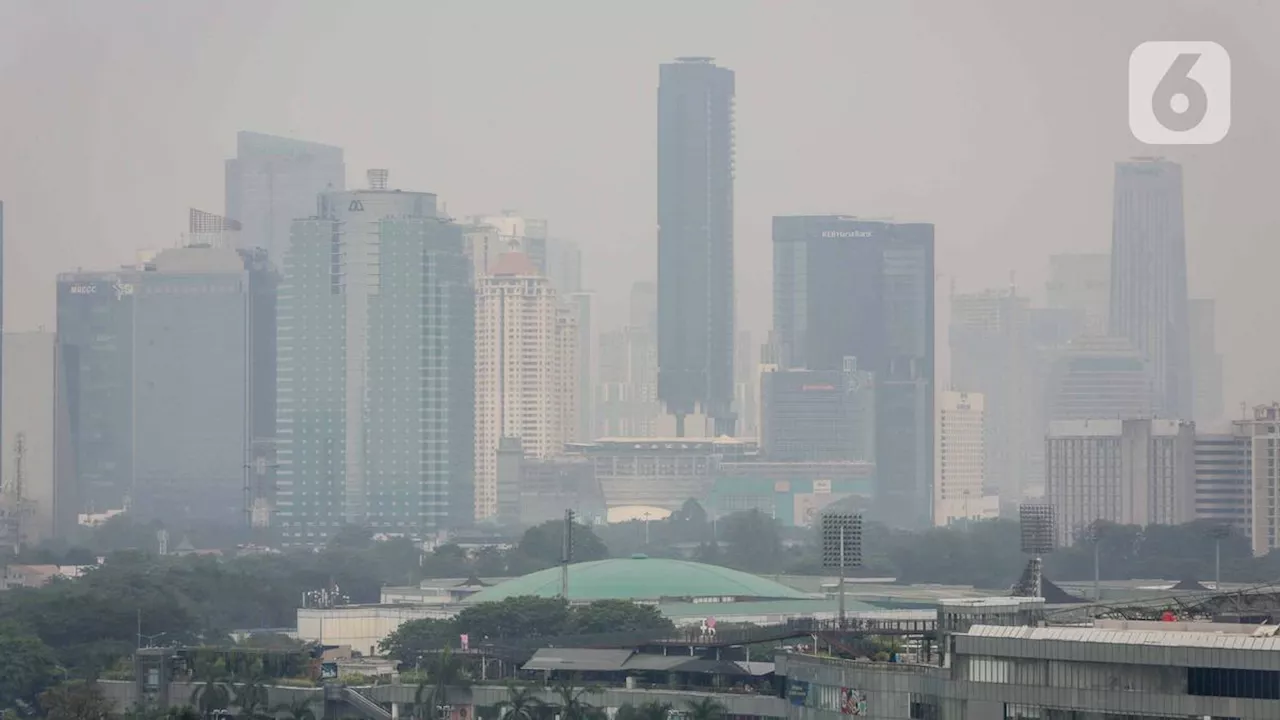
(1149, 277)
(695, 242)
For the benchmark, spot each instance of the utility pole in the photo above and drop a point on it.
(566, 555)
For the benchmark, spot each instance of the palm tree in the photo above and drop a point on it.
(251, 697)
(653, 710)
(299, 709)
(212, 694)
(521, 704)
(705, 709)
(445, 670)
(571, 704)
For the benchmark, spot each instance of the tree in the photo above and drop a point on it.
(705, 709)
(570, 702)
(299, 709)
(27, 667)
(212, 694)
(75, 701)
(652, 710)
(514, 617)
(445, 670)
(753, 542)
(414, 640)
(544, 544)
(604, 616)
(522, 703)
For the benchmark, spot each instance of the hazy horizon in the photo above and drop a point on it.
(999, 122)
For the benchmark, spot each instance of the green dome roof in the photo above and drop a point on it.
(640, 578)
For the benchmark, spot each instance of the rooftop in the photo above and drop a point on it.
(642, 578)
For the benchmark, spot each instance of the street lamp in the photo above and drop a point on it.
(646, 528)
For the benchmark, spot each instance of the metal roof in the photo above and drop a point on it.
(577, 659)
(1176, 638)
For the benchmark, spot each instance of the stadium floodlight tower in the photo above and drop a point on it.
(1037, 525)
(841, 546)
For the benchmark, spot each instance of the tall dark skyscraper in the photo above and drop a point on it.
(861, 293)
(695, 241)
(273, 180)
(1149, 277)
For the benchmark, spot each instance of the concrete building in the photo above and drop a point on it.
(1224, 481)
(695, 242)
(1130, 472)
(1081, 283)
(1113, 670)
(1149, 277)
(564, 266)
(746, 385)
(627, 394)
(991, 355)
(550, 486)
(958, 490)
(1206, 362)
(579, 306)
(819, 415)
(658, 472)
(273, 180)
(1262, 435)
(376, 369)
(39, 498)
(825, 265)
(526, 362)
(792, 493)
(1099, 377)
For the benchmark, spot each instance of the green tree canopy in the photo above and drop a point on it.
(607, 616)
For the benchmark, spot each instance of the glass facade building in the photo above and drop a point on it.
(1149, 277)
(695, 241)
(850, 288)
(375, 340)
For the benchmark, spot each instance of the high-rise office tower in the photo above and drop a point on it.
(564, 265)
(192, 388)
(1149, 277)
(1, 306)
(376, 368)
(273, 180)
(1206, 362)
(1131, 472)
(824, 266)
(958, 490)
(818, 415)
(1099, 377)
(628, 390)
(1081, 283)
(991, 355)
(525, 367)
(695, 241)
(95, 334)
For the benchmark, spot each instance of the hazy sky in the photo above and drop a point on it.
(998, 121)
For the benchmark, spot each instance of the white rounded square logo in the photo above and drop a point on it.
(1179, 93)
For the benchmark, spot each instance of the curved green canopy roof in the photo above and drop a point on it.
(640, 578)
